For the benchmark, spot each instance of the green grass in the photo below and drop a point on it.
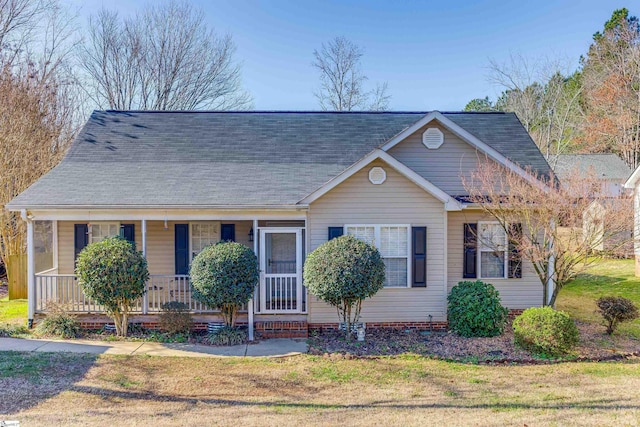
(606, 278)
(14, 311)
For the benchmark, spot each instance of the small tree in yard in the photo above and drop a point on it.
(224, 276)
(113, 274)
(553, 215)
(343, 272)
(616, 310)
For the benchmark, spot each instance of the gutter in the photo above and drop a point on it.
(15, 208)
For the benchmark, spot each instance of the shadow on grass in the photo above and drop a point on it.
(28, 378)
(595, 404)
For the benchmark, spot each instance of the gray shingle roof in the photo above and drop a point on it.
(235, 158)
(604, 165)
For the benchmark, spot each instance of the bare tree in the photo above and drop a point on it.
(163, 58)
(545, 96)
(38, 114)
(565, 228)
(342, 82)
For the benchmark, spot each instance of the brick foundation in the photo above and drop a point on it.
(282, 329)
(419, 326)
(269, 328)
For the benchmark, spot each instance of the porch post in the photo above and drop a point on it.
(250, 306)
(31, 271)
(145, 297)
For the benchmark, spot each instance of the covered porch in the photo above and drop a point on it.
(169, 241)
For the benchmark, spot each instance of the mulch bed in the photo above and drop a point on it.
(4, 289)
(595, 345)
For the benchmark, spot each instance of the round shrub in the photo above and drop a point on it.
(343, 272)
(474, 310)
(616, 310)
(224, 276)
(113, 274)
(545, 331)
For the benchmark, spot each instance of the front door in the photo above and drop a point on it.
(280, 270)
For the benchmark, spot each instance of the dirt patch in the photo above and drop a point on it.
(594, 345)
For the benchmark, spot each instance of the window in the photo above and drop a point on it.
(492, 253)
(393, 243)
(203, 234)
(102, 230)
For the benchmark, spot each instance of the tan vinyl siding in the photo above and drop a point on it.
(444, 166)
(515, 293)
(160, 243)
(396, 201)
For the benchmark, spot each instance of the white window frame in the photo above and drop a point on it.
(505, 267)
(103, 223)
(191, 224)
(376, 232)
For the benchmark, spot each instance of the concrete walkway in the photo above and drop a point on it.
(279, 347)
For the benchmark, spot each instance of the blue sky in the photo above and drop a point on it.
(433, 54)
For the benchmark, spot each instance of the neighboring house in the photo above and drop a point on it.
(608, 168)
(283, 183)
(612, 172)
(633, 184)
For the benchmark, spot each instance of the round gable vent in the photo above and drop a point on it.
(432, 138)
(377, 175)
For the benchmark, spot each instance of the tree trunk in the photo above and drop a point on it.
(348, 322)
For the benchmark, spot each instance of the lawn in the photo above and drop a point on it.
(608, 277)
(14, 311)
(59, 389)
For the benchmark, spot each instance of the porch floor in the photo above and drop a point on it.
(278, 347)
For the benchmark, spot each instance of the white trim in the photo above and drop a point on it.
(15, 207)
(133, 215)
(451, 204)
(376, 232)
(263, 268)
(446, 258)
(143, 231)
(505, 265)
(633, 179)
(250, 306)
(31, 270)
(54, 228)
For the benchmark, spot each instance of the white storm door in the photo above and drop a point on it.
(280, 270)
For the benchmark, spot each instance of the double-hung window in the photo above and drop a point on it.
(203, 234)
(493, 249)
(393, 243)
(102, 230)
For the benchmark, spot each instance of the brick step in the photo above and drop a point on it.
(282, 329)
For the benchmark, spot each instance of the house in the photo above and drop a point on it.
(283, 183)
(633, 184)
(608, 168)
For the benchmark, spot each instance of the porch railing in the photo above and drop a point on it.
(65, 291)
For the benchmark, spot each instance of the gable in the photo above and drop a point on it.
(357, 195)
(444, 166)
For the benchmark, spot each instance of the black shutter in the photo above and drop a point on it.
(470, 251)
(335, 232)
(182, 248)
(128, 232)
(515, 258)
(80, 238)
(419, 256)
(228, 233)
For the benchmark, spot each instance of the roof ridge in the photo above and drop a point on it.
(293, 112)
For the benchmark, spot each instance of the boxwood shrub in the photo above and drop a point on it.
(343, 272)
(224, 276)
(545, 331)
(474, 310)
